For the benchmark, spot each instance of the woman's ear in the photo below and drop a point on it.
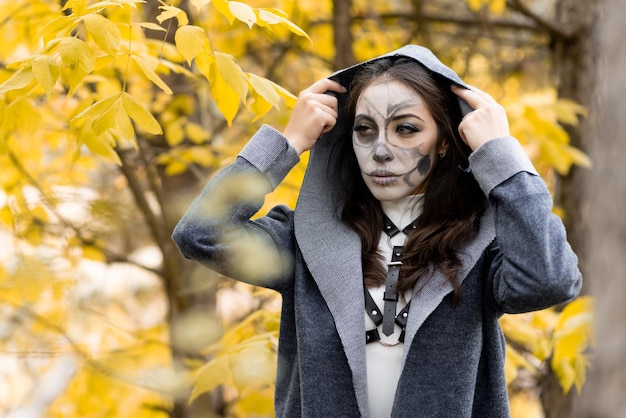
(443, 149)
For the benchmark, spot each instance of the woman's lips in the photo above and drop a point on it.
(382, 177)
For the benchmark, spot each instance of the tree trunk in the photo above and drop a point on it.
(575, 58)
(342, 38)
(575, 65)
(606, 191)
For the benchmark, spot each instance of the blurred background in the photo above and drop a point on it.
(114, 114)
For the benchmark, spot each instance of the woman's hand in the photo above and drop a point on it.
(487, 121)
(315, 114)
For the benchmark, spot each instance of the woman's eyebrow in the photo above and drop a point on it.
(363, 116)
(392, 110)
(406, 115)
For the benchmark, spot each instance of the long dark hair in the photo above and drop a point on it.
(453, 201)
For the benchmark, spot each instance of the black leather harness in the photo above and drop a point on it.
(388, 316)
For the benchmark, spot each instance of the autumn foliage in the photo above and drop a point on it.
(106, 109)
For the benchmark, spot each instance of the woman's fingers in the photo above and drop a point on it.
(315, 113)
(487, 121)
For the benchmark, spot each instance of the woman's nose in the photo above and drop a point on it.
(382, 153)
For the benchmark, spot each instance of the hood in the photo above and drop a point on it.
(331, 250)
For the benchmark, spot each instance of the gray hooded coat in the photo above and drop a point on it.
(454, 356)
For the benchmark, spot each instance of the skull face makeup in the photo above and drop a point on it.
(394, 140)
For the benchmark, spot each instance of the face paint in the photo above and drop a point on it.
(394, 139)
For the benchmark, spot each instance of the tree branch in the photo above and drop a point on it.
(552, 28)
(456, 20)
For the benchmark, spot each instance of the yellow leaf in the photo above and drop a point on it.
(518, 330)
(259, 106)
(174, 133)
(105, 33)
(497, 6)
(226, 97)
(198, 4)
(264, 88)
(61, 26)
(578, 157)
(170, 12)
(97, 108)
(102, 145)
(78, 57)
(152, 26)
(18, 80)
(555, 155)
(255, 401)
(107, 119)
(242, 12)
(568, 111)
(254, 365)
(205, 62)
(91, 252)
(574, 331)
(290, 99)
(199, 155)
(270, 17)
(46, 71)
(573, 335)
(190, 40)
(196, 133)
(565, 373)
(175, 167)
(6, 217)
(222, 7)
(580, 371)
(517, 360)
(525, 404)
(141, 115)
(148, 65)
(210, 376)
(476, 5)
(232, 74)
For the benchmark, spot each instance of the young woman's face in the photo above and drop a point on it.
(394, 139)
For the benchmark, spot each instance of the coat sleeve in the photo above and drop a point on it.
(533, 267)
(217, 229)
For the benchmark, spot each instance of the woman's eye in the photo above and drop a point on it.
(363, 130)
(406, 129)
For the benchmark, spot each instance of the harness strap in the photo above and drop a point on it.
(388, 316)
(391, 294)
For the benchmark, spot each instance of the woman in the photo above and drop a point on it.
(420, 221)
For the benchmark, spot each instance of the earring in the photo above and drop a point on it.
(443, 154)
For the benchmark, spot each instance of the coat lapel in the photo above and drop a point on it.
(426, 299)
(332, 253)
